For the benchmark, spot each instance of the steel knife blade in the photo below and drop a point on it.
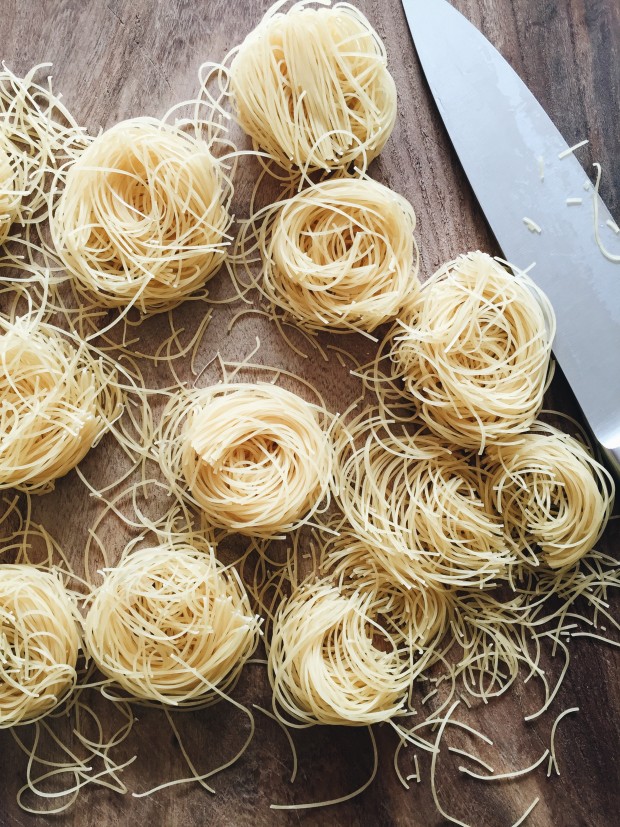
(517, 164)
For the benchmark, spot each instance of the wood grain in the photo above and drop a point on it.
(130, 57)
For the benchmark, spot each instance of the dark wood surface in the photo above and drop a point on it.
(130, 57)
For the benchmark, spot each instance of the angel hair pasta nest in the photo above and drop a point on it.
(143, 217)
(312, 87)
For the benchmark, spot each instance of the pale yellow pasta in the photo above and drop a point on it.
(39, 139)
(474, 351)
(57, 398)
(171, 624)
(143, 218)
(419, 505)
(554, 498)
(330, 662)
(39, 643)
(340, 255)
(256, 459)
(10, 185)
(312, 88)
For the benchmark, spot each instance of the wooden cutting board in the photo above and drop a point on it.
(132, 57)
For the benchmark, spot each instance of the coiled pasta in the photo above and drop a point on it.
(255, 459)
(554, 498)
(326, 664)
(340, 255)
(171, 624)
(474, 352)
(419, 506)
(143, 218)
(312, 87)
(39, 643)
(57, 398)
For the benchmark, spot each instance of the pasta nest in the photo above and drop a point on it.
(57, 399)
(555, 499)
(330, 662)
(419, 506)
(255, 458)
(312, 87)
(171, 624)
(417, 615)
(39, 643)
(11, 186)
(474, 352)
(143, 217)
(39, 138)
(341, 254)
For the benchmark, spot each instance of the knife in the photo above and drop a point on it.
(527, 182)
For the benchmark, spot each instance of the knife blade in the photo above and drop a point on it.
(526, 182)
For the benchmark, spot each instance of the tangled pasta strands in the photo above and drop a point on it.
(70, 748)
(171, 625)
(42, 680)
(12, 185)
(254, 458)
(331, 662)
(312, 89)
(143, 218)
(418, 505)
(39, 643)
(340, 254)
(498, 633)
(473, 353)
(26, 542)
(419, 616)
(57, 398)
(498, 637)
(554, 498)
(38, 137)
